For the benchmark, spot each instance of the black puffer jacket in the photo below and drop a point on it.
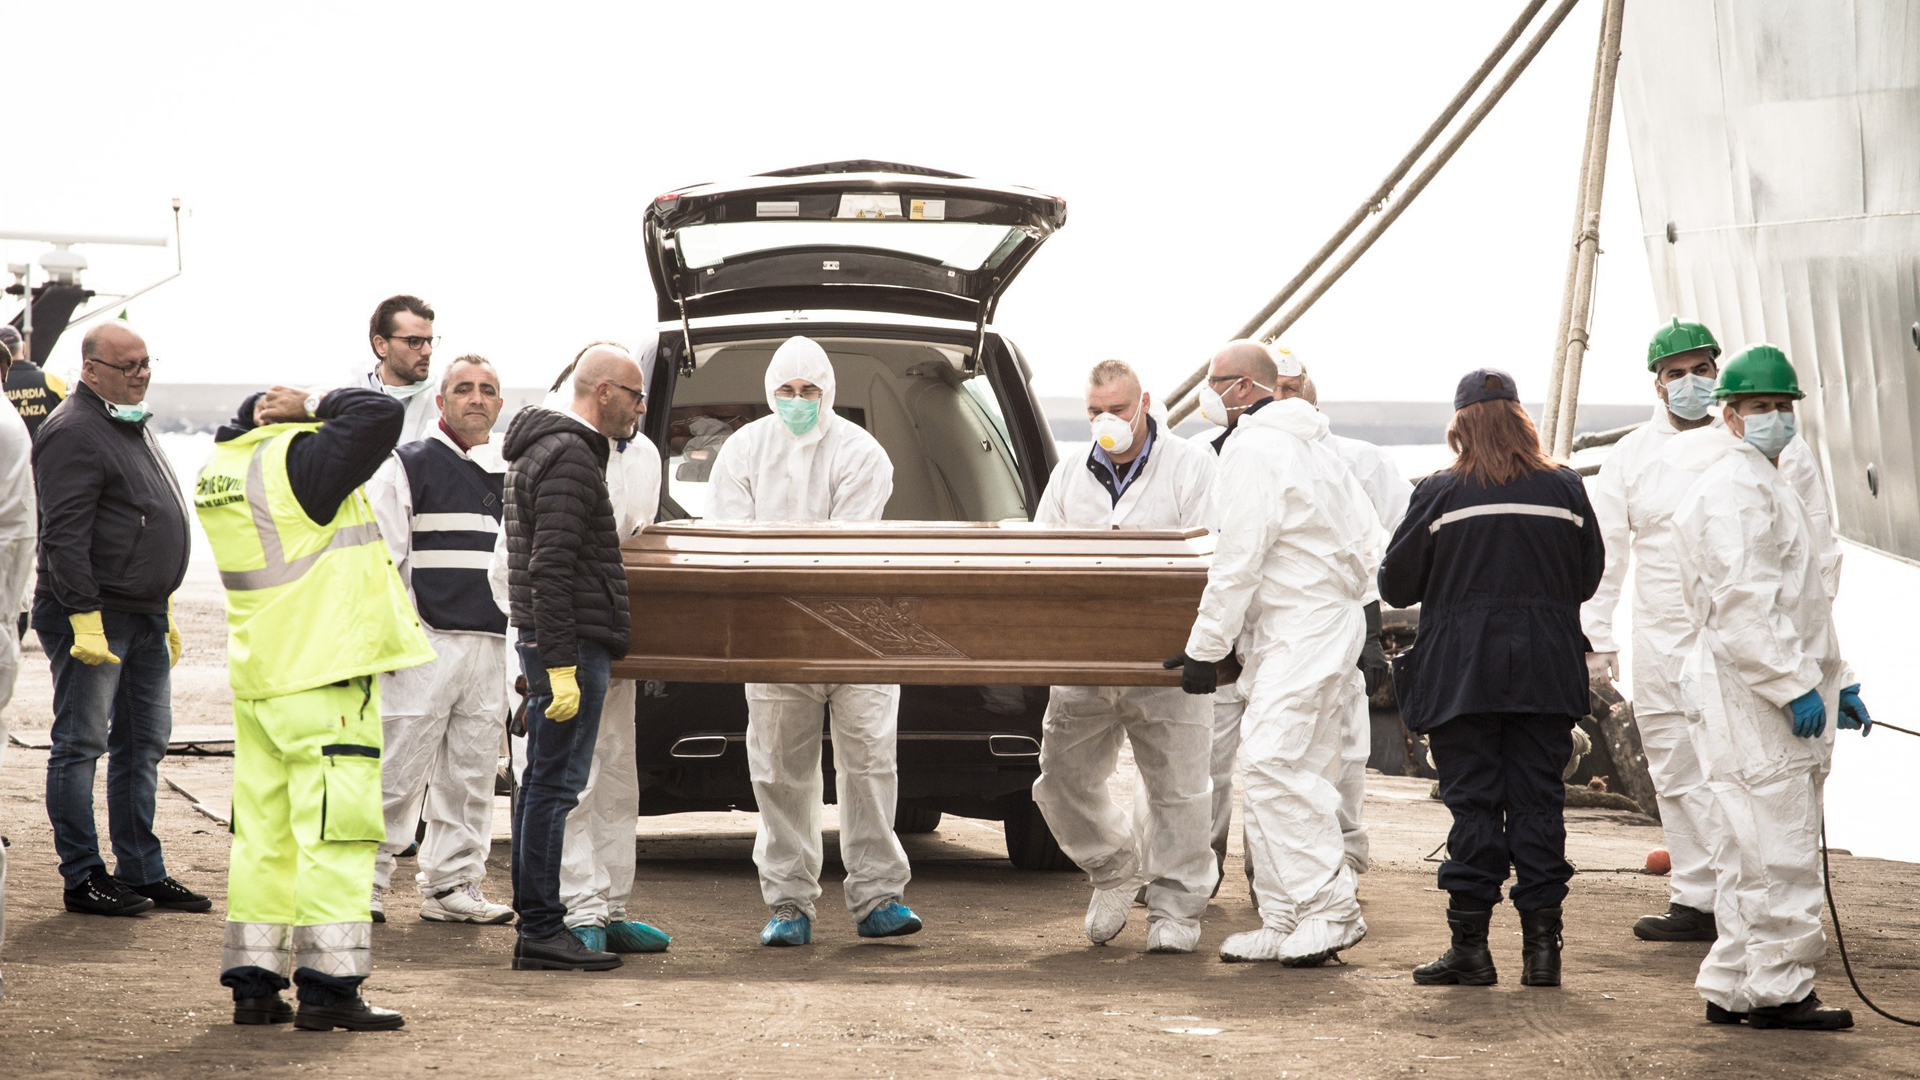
(564, 577)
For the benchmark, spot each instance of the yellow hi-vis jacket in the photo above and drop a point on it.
(307, 605)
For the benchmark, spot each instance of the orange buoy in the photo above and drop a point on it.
(1658, 862)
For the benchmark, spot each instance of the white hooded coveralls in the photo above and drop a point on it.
(1170, 730)
(1760, 635)
(1294, 562)
(1390, 493)
(19, 525)
(440, 722)
(1634, 498)
(835, 472)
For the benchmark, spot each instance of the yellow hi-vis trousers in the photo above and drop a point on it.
(306, 819)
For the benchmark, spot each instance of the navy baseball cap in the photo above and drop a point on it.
(1484, 384)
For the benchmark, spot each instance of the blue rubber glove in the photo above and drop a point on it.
(1809, 715)
(1853, 711)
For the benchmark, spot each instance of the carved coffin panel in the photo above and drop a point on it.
(911, 602)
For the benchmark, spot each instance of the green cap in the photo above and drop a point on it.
(1678, 337)
(1757, 369)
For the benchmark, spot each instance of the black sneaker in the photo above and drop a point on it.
(172, 895)
(102, 895)
(560, 952)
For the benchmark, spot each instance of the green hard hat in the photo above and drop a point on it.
(1678, 337)
(1757, 369)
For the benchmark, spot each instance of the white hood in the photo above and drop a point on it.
(802, 358)
(1695, 451)
(1291, 415)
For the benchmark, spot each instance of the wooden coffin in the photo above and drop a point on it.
(945, 603)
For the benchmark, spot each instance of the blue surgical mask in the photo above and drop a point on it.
(799, 414)
(1689, 396)
(1769, 432)
(131, 414)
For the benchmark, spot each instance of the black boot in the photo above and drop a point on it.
(1540, 947)
(262, 1010)
(1467, 962)
(1678, 923)
(352, 1013)
(1807, 1014)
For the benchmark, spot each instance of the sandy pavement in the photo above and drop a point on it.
(1001, 983)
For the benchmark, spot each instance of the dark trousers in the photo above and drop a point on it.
(1500, 775)
(559, 757)
(125, 712)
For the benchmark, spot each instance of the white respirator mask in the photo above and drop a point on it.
(1114, 434)
(1769, 432)
(1215, 410)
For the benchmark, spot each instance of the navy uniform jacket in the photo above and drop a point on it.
(1499, 574)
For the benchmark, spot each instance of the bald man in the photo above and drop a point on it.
(567, 600)
(112, 550)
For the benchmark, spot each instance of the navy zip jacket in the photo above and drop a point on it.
(1499, 574)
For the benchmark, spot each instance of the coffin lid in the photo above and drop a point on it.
(1004, 546)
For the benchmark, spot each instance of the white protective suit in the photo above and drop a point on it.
(1170, 730)
(1761, 635)
(440, 722)
(1389, 492)
(597, 856)
(1634, 498)
(835, 472)
(19, 525)
(423, 413)
(1294, 563)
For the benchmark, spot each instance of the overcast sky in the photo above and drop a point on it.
(496, 159)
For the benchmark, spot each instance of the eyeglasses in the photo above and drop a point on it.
(416, 343)
(135, 367)
(638, 395)
(811, 393)
(1211, 379)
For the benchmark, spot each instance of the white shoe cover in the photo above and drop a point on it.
(1315, 941)
(1171, 936)
(1107, 913)
(1252, 946)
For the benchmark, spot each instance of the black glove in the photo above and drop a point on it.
(1373, 655)
(1196, 676)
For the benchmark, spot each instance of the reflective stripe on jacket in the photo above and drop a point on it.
(307, 605)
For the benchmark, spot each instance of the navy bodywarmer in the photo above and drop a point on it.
(456, 518)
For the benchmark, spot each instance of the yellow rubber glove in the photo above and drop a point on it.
(566, 694)
(89, 640)
(173, 637)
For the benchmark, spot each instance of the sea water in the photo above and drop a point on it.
(1867, 814)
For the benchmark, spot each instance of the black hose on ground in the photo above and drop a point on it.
(1840, 939)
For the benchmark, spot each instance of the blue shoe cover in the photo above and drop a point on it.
(593, 937)
(892, 919)
(634, 937)
(795, 931)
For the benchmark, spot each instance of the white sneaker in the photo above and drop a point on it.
(1316, 941)
(464, 904)
(1171, 935)
(1253, 946)
(378, 904)
(1107, 913)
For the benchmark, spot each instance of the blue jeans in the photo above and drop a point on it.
(559, 757)
(124, 711)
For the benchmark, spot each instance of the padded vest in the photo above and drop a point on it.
(456, 519)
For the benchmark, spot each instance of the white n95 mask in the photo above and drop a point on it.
(1112, 433)
(1215, 410)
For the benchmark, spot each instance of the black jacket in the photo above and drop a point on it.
(565, 581)
(1499, 574)
(358, 430)
(113, 524)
